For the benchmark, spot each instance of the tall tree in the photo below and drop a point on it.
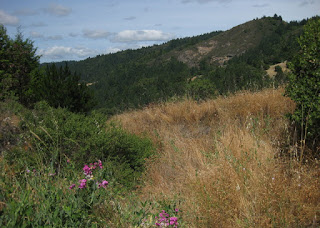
(304, 84)
(17, 60)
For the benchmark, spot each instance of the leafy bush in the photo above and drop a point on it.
(201, 89)
(45, 199)
(304, 84)
(56, 135)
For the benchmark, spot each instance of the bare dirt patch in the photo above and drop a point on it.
(272, 72)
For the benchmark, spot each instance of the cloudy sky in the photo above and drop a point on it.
(77, 29)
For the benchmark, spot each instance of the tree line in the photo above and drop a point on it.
(22, 78)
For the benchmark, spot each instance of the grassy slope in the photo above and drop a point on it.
(220, 159)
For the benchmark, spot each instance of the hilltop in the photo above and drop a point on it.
(228, 61)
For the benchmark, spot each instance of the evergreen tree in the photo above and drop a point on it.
(17, 61)
(61, 88)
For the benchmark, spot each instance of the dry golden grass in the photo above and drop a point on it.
(219, 159)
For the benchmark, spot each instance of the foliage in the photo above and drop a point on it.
(57, 134)
(304, 83)
(40, 182)
(17, 61)
(135, 78)
(45, 199)
(214, 157)
(61, 88)
(22, 79)
(200, 89)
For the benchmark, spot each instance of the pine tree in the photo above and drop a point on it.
(17, 61)
(62, 88)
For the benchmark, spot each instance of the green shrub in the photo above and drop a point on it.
(40, 198)
(201, 89)
(304, 84)
(56, 135)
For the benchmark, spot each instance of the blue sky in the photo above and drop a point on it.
(77, 29)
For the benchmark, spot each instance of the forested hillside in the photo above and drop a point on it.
(221, 63)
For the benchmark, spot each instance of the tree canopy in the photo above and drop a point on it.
(17, 60)
(21, 77)
(304, 83)
(61, 88)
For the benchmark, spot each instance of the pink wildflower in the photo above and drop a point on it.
(72, 186)
(174, 221)
(83, 183)
(104, 183)
(100, 164)
(87, 171)
(165, 220)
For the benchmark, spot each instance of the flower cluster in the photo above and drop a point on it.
(88, 172)
(83, 183)
(164, 220)
(103, 184)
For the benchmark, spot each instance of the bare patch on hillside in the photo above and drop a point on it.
(272, 72)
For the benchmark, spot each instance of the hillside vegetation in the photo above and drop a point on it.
(219, 149)
(228, 162)
(228, 61)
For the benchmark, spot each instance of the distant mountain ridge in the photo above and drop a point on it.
(133, 78)
(225, 45)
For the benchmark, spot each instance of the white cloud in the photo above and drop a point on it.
(25, 12)
(34, 34)
(38, 24)
(72, 34)
(113, 50)
(95, 34)
(130, 18)
(142, 35)
(58, 10)
(38, 35)
(261, 5)
(58, 53)
(206, 1)
(307, 2)
(55, 37)
(8, 19)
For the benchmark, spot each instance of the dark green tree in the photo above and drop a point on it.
(280, 77)
(304, 85)
(17, 60)
(201, 89)
(61, 88)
